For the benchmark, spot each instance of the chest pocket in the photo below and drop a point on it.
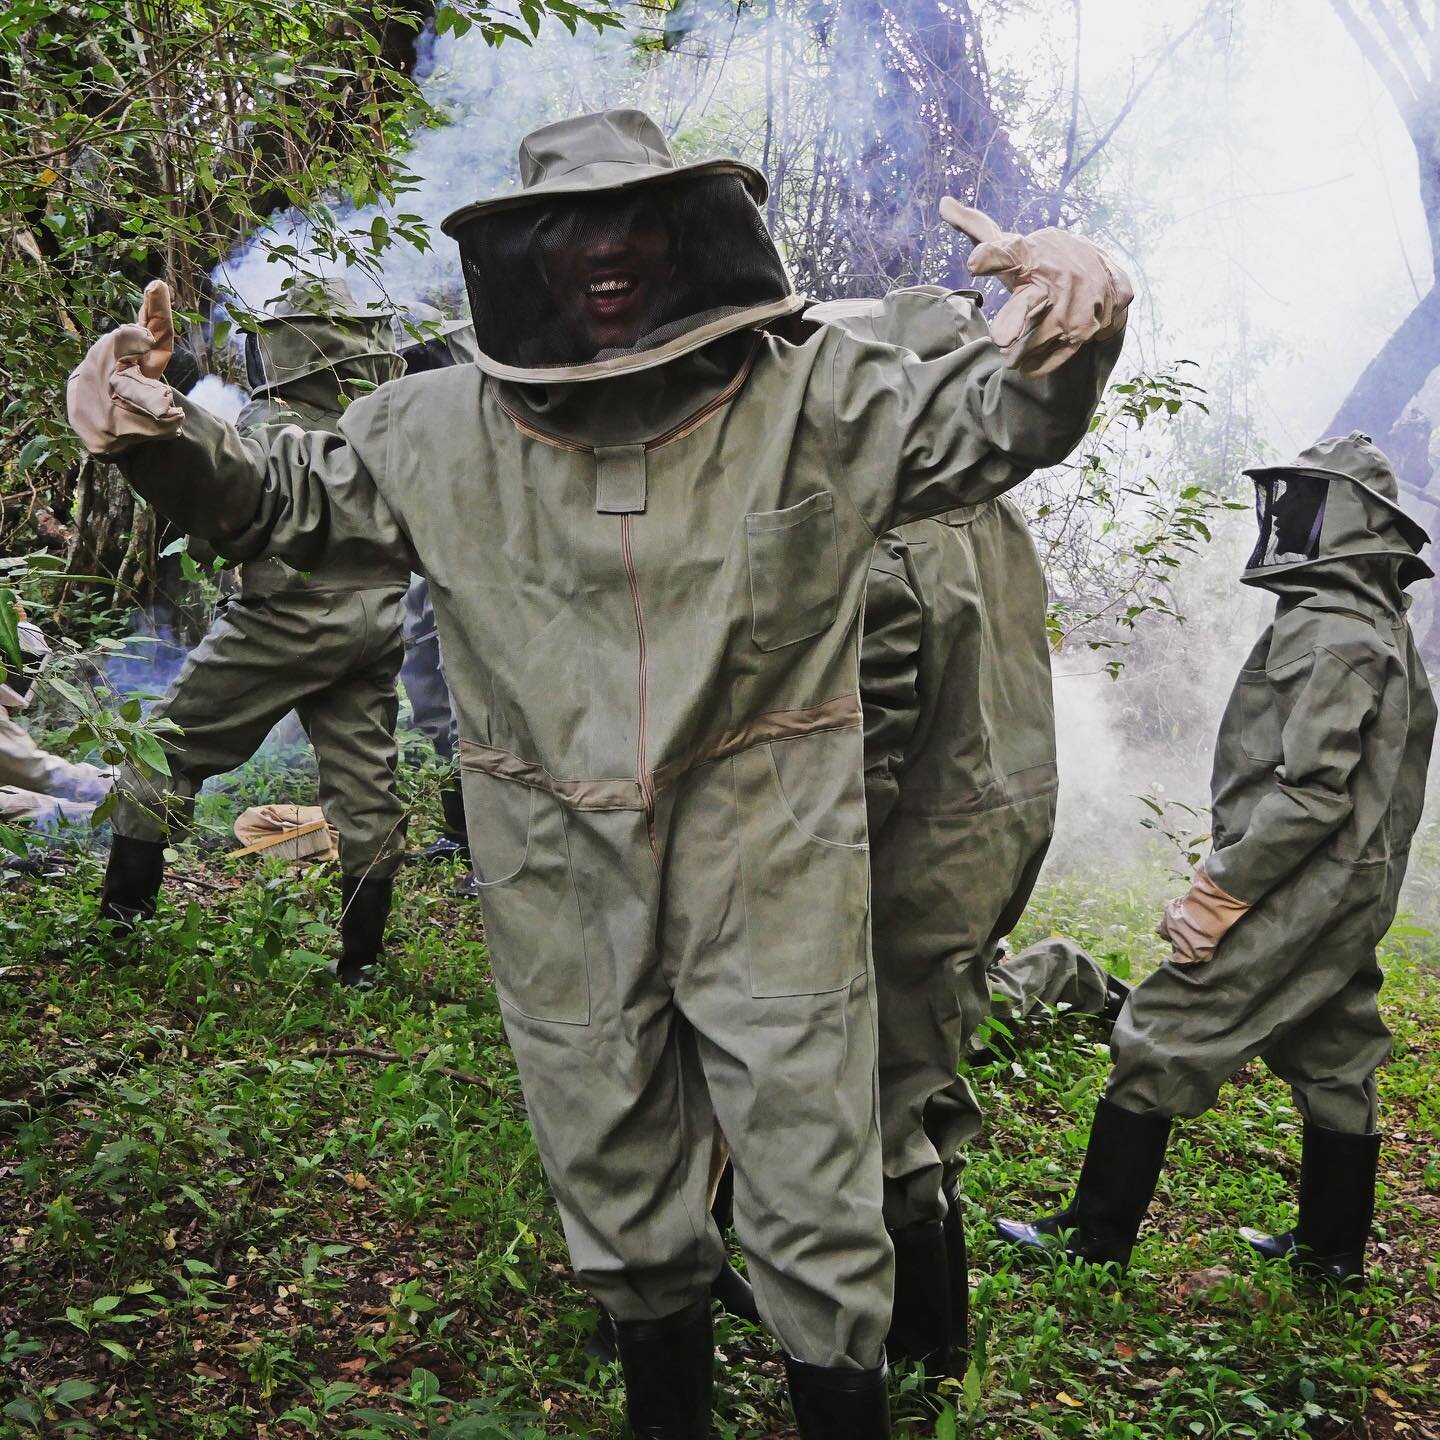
(1259, 719)
(794, 571)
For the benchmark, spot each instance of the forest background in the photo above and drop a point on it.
(267, 1210)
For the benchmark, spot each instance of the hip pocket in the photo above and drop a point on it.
(1259, 719)
(520, 852)
(794, 571)
(804, 863)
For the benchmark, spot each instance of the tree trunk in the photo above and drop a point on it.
(1389, 383)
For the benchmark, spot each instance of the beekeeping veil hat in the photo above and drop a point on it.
(428, 340)
(318, 332)
(613, 257)
(1335, 504)
(34, 651)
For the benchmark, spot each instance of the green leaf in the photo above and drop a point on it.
(148, 751)
(67, 1392)
(9, 628)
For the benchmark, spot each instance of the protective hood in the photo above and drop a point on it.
(612, 257)
(317, 343)
(442, 342)
(1333, 508)
(34, 651)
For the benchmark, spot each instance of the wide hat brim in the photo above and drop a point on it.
(1415, 534)
(263, 319)
(602, 176)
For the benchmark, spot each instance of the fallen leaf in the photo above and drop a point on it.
(1070, 1400)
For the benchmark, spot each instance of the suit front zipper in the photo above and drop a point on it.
(647, 790)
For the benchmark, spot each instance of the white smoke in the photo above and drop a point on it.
(1261, 162)
(219, 398)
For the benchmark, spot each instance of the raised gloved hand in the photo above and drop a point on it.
(1064, 290)
(1197, 922)
(115, 396)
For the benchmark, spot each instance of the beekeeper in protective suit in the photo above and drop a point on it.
(36, 787)
(646, 516)
(960, 785)
(428, 341)
(325, 643)
(1318, 785)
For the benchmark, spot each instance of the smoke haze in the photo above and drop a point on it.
(1269, 208)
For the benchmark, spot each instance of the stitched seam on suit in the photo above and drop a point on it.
(687, 426)
(841, 713)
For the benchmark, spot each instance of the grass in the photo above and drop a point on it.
(241, 1202)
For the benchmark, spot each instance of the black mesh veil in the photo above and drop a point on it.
(1290, 513)
(619, 275)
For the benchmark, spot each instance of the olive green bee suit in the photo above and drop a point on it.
(648, 588)
(960, 782)
(1318, 784)
(326, 643)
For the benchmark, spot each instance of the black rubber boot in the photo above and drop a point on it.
(133, 875)
(1122, 1164)
(835, 1404)
(669, 1368)
(1337, 1204)
(733, 1293)
(730, 1289)
(454, 841)
(957, 1262)
(365, 906)
(601, 1346)
(921, 1321)
(1117, 992)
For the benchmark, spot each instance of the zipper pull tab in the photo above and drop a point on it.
(620, 479)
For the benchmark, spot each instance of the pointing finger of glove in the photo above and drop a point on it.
(969, 221)
(1017, 327)
(129, 344)
(1000, 258)
(156, 317)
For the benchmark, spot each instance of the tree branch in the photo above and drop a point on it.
(1401, 48)
(1390, 74)
(1136, 91)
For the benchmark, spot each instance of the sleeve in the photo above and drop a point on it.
(1322, 742)
(889, 683)
(920, 436)
(26, 766)
(302, 496)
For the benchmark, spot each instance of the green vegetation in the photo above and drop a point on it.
(241, 1202)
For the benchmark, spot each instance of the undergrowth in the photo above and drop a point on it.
(241, 1202)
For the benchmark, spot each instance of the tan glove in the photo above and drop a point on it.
(115, 397)
(1197, 922)
(1064, 290)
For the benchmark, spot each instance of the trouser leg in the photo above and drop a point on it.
(234, 686)
(423, 674)
(351, 724)
(1187, 1029)
(612, 1078)
(1330, 1058)
(791, 1077)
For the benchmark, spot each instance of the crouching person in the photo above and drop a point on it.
(1318, 784)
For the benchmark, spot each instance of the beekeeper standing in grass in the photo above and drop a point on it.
(326, 643)
(646, 516)
(1317, 790)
